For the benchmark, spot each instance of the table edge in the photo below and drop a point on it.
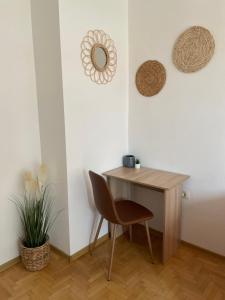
(185, 177)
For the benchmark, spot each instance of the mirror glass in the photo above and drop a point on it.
(100, 57)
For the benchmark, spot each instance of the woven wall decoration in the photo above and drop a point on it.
(96, 43)
(150, 78)
(193, 49)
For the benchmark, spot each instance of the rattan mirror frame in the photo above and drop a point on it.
(98, 39)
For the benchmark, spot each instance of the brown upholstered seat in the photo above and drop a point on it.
(121, 212)
(130, 212)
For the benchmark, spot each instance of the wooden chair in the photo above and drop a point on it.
(120, 212)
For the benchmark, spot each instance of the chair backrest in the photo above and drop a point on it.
(103, 198)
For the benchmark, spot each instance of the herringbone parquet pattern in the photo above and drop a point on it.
(191, 275)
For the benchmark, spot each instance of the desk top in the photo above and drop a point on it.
(148, 177)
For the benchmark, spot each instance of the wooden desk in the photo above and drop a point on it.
(170, 184)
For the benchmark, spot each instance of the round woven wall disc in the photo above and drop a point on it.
(193, 49)
(150, 78)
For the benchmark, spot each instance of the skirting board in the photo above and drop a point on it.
(73, 257)
(100, 241)
(85, 250)
(81, 252)
(9, 263)
(60, 252)
(202, 249)
(159, 234)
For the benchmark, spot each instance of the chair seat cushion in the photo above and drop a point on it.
(130, 212)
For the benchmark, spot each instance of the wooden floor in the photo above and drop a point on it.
(193, 274)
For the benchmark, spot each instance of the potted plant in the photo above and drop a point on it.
(35, 211)
(137, 163)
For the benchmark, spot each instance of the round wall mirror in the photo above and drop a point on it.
(99, 57)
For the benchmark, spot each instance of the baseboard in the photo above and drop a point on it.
(100, 241)
(159, 234)
(81, 252)
(70, 258)
(60, 252)
(85, 250)
(155, 232)
(202, 249)
(9, 264)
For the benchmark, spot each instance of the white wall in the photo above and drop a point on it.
(20, 142)
(95, 115)
(182, 128)
(46, 37)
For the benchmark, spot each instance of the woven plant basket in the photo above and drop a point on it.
(35, 259)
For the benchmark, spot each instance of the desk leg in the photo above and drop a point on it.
(172, 221)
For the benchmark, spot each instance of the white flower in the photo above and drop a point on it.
(28, 176)
(42, 176)
(31, 186)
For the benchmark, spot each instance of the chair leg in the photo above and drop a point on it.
(130, 233)
(114, 226)
(96, 236)
(149, 241)
(109, 230)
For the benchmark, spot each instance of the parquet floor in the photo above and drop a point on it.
(191, 275)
